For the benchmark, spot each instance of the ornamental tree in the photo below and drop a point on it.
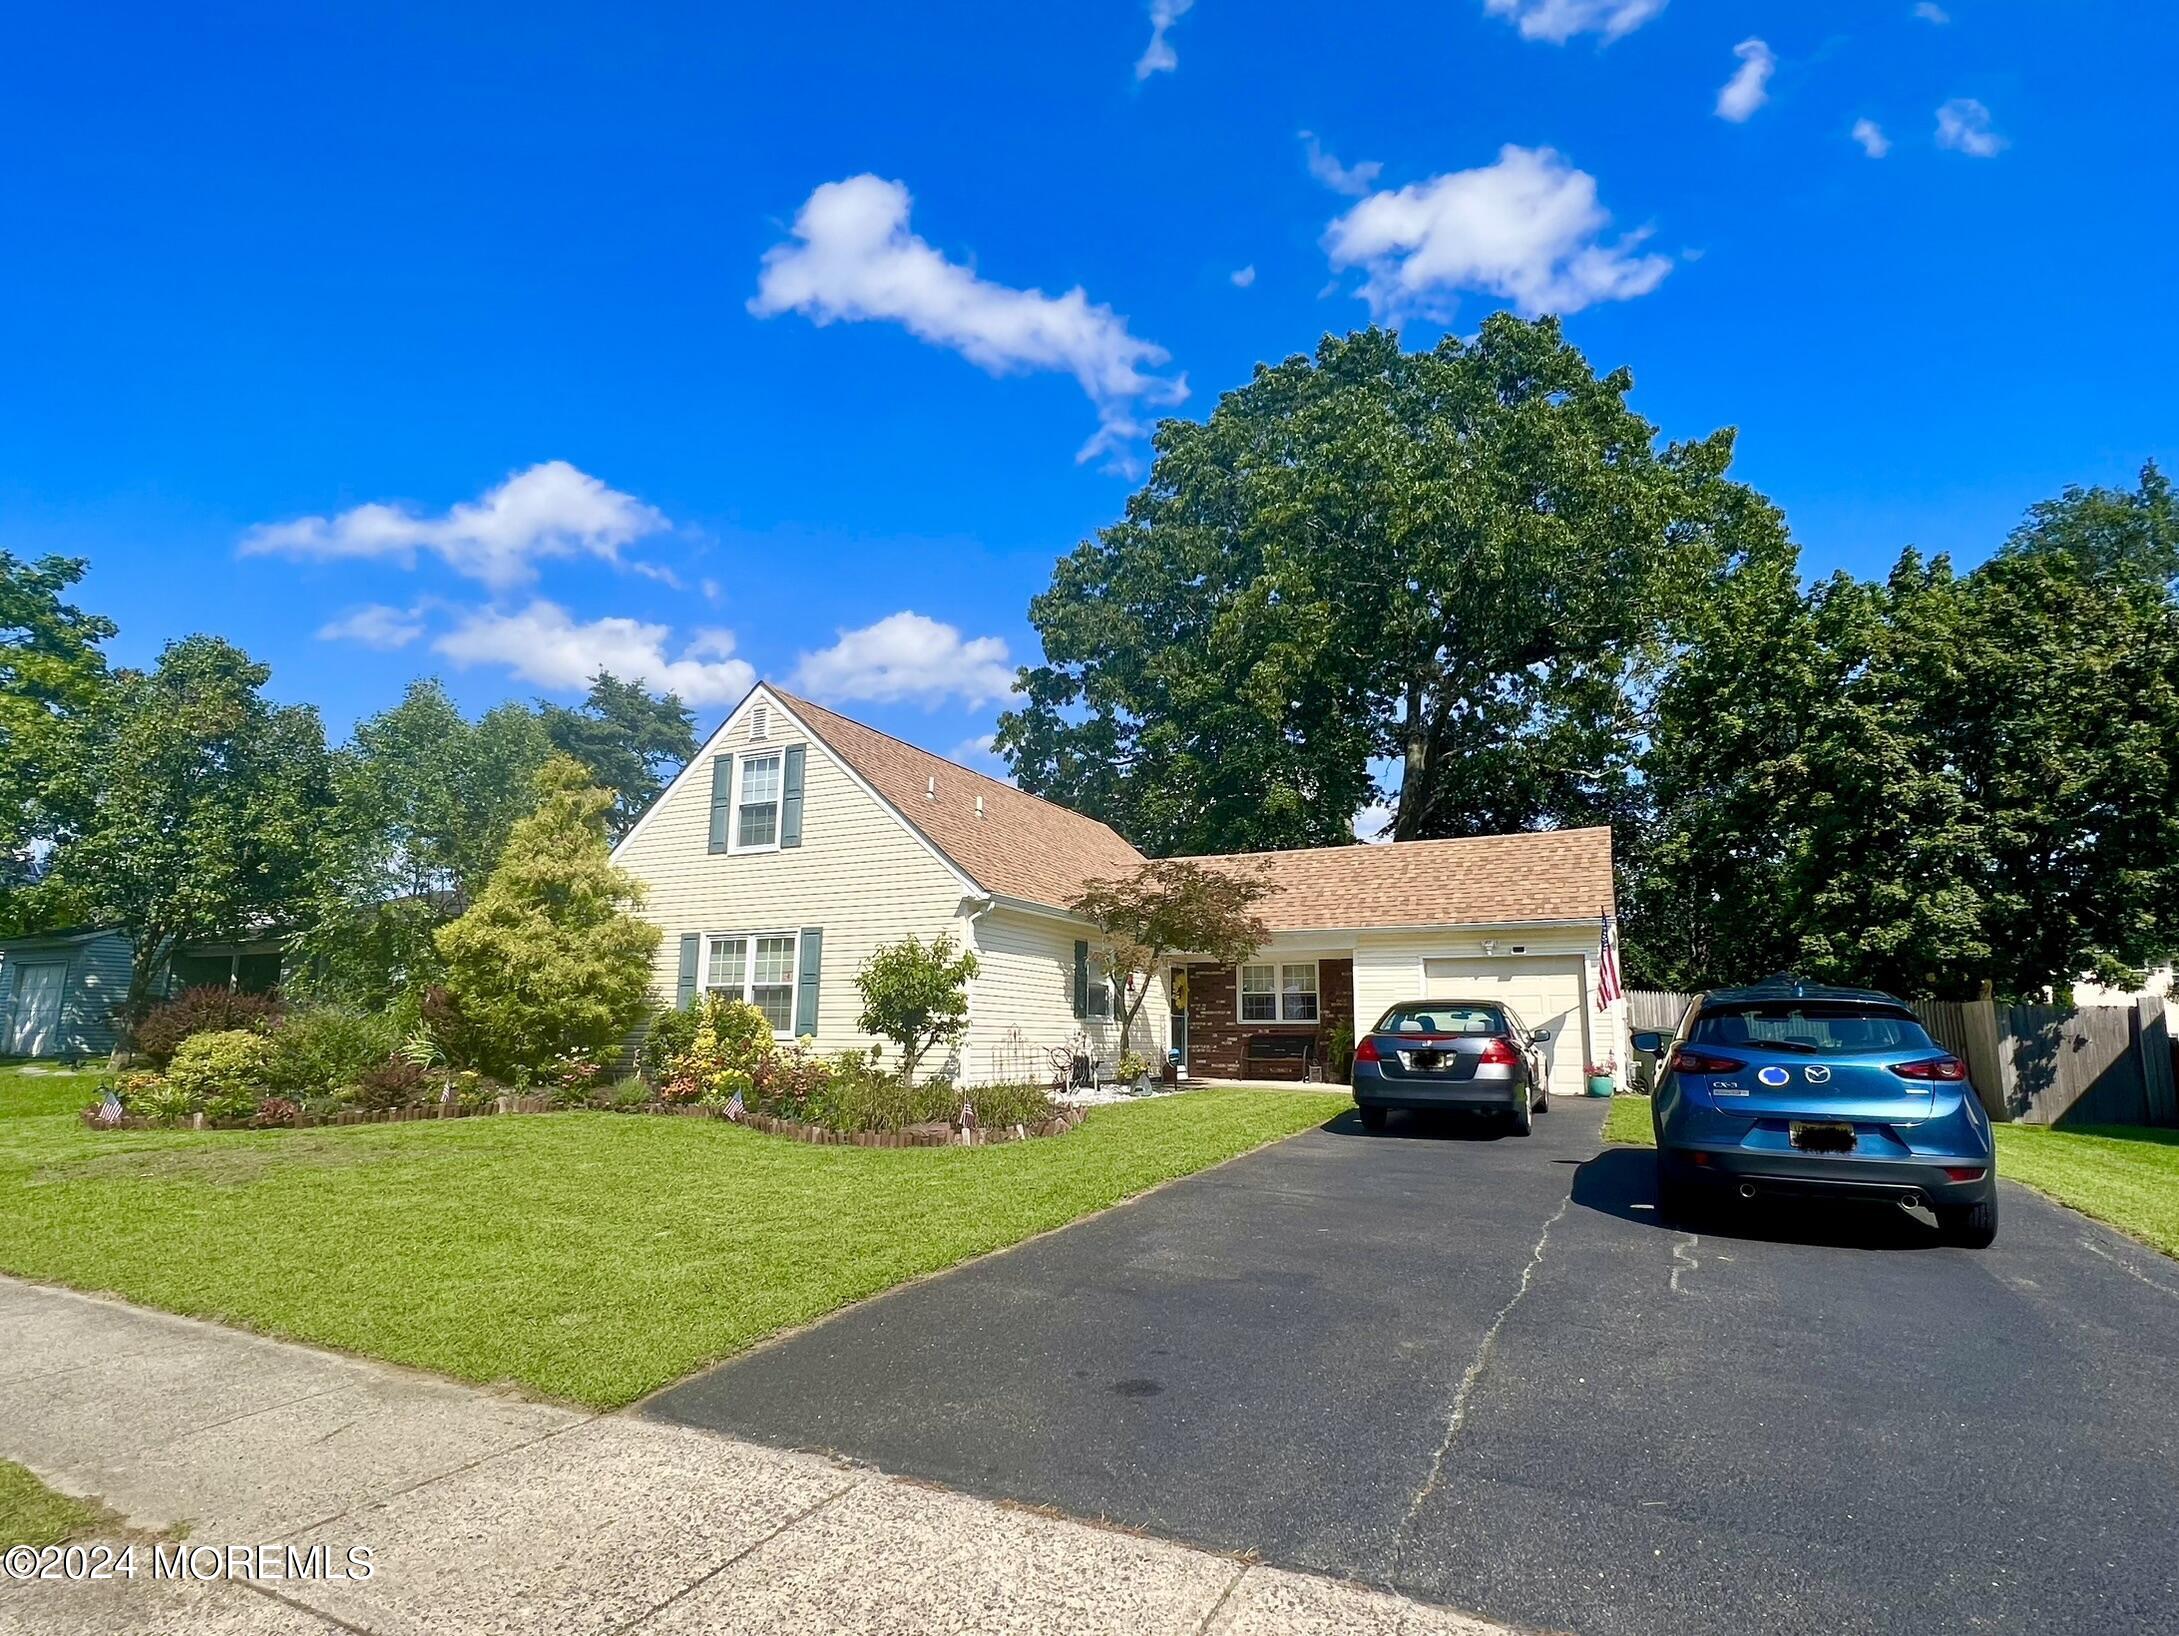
(916, 995)
(549, 962)
(1169, 906)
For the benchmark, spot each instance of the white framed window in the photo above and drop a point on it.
(755, 966)
(1285, 991)
(756, 803)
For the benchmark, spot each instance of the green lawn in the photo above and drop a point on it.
(586, 1256)
(32, 1514)
(2122, 1174)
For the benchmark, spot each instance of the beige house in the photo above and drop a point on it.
(799, 841)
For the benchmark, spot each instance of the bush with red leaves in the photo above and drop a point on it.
(209, 1009)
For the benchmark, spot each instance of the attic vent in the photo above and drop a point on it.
(1520, 948)
(760, 722)
(930, 789)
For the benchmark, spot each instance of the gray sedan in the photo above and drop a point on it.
(1471, 1055)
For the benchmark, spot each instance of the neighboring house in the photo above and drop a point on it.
(799, 841)
(59, 990)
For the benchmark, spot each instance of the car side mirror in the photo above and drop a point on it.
(1540, 1035)
(1649, 1043)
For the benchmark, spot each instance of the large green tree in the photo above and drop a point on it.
(190, 805)
(52, 672)
(426, 800)
(1943, 784)
(550, 960)
(632, 740)
(1465, 562)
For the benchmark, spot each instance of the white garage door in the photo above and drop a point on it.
(1546, 991)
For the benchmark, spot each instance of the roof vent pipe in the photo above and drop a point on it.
(979, 806)
(930, 789)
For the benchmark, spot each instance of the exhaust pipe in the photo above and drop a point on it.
(1910, 1200)
(1747, 1190)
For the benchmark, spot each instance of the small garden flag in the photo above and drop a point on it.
(1607, 965)
(735, 1107)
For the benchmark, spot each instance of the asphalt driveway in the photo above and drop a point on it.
(1480, 1371)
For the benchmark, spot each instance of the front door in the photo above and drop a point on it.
(1176, 985)
(37, 1008)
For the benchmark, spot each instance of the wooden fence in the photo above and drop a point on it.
(2038, 1064)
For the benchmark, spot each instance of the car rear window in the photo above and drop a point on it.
(1816, 1025)
(1443, 1019)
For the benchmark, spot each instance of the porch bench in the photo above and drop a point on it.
(1279, 1056)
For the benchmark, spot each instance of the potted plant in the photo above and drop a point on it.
(1135, 1073)
(1604, 1076)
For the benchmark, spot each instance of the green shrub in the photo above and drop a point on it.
(210, 1008)
(223, 1074)
(631, 1092)
(328, 1046)
(1000, 1106)
(162, 1099)
(672, 1032)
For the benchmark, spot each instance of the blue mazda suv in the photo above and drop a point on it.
(1789, 1088)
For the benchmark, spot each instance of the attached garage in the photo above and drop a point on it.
(1546, 991)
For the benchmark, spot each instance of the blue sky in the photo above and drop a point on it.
(766, 312)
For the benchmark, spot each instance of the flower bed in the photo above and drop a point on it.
(933, 1134)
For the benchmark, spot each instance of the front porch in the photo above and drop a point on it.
(1236, 1039)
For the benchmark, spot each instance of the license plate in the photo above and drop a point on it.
(1823, 1138)
(1428, 1062)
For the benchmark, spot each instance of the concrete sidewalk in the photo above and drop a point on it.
(486, 1513)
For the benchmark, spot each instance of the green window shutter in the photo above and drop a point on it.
(1081, 978)
(722, 800)
(685, 992)
(790, 796)
(805, 990)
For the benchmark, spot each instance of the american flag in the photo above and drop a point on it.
(735, 1107)
(1607, 965)
(109, 1109)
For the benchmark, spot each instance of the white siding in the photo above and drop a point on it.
(859, 874)
(1388, 968)
(1023, 1002)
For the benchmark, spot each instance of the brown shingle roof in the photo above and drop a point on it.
(1022, 847)
(1563, 874)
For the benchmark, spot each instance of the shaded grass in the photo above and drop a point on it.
(587, 1256)
(33, 1514)
(2126, 1176)
(35, 1093)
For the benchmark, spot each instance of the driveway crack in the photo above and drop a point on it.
(1457, 1415)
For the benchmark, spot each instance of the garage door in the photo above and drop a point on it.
(1545, 991)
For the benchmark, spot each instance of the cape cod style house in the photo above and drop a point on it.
(799, 841)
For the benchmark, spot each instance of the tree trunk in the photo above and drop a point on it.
(1414, 769)
(146, 954)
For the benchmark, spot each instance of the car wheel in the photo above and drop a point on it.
(1543, 1102)
(1524, 1116)
(1373, 1119)
(1971, 1226)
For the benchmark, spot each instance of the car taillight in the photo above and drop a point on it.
(1367, 1050)
(1949, 1069)
(1688, 1061)
(1497, 1054)
(1963, 1173)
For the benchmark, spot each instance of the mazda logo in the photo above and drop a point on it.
(1817, 1075)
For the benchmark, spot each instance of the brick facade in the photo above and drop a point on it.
(1217, 1040)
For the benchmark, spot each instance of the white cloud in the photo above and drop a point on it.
(1243, 277)
(375, 626)
(1871, 136)
(542, 644)
(1374, 822)
(981, 754)
(1157, 57)
(1560, 20)
(1354, 180)
(908, 656)
(854, 260)
(1963, 125)
(550, 510)
(1749, 88)
(1929, 12)
(1526, 229)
